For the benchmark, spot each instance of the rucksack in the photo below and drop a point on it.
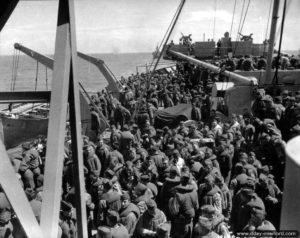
(173, 206)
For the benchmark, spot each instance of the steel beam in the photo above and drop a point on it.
(6, 9)
(64, 88)
(48, 62)
(8, 179)
(110, 78)
(25, 97)
(57, 125)
(268, 79)
(77, 154)
(43, 59)
(16, 196)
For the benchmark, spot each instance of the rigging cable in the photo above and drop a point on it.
(275, 79)
(115, 78)
(269, 16)
(278, 28)
(12, 70)
(245, 16)
(166, 33)
(232, 18)
(48, 104)
(242, 26)
(169, 34)
(237, 35)
(46, 79)
(36, 75)
(177, 14)
(36, 79)
(16, 70)
(215, 20)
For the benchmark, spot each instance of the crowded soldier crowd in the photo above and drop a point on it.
(203, 178)
(250, 63)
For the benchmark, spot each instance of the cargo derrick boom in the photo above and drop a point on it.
(85, 109)
(113, 84)
(238, 93)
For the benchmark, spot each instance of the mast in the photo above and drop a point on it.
(268, 79)
(170, 32)
(275, 79)
(7, 7)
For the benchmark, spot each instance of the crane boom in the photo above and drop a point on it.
(113, 84)
(236, 78)
(43, 59)
(49, 63)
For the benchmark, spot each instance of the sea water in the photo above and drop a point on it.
(29, 75)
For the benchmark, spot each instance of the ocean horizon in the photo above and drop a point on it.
(120, 64)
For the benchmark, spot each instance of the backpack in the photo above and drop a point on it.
(173, 206)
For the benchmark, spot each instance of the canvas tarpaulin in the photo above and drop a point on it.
(171, 116)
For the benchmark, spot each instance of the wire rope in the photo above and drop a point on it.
(46, 78)
(36, 75)
(237, 35)
(245, 15)
(275, 79)
(232, 18)
(215, 20)
(12, 70)
(269, 16)
(16, 70)
(176, 16)
(166, 33)
(242, 26)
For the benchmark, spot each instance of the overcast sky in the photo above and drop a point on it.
(119, 26)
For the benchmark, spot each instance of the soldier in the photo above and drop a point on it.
(6, 227)
(257, 222)
(92, 162)
(121, 115)
(271, 196)
(150, 220)
(243, 202)
(102, 151)
(30, 165)
(187, 199)
(116, 229)
(68, 220)
(196, 113)
(166, 191)
(295, 130)
(109, 200)
(129, 214)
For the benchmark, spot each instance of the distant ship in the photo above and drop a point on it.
(156, 53)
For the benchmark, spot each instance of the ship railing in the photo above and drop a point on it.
(149, 66)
